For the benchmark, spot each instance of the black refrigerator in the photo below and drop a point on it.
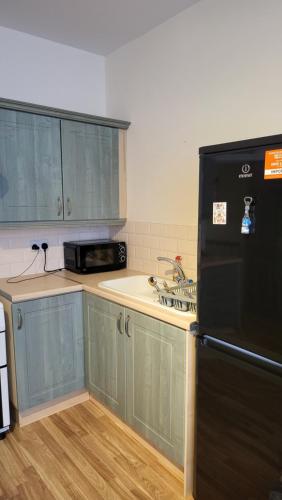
(239, 337)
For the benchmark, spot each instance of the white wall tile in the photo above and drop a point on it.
(15, 247)
(134, 239)
(187, 246)
(129, 227)
(145, 242)
(151, 267)
(136, 264)
(158, 229)
(4, 243)
(154, 254)
(192, 233)
(5, 270)
(142, 253)
(131, 251)
(166, 240)
(169, 244)
(141, 227)
(178, 232)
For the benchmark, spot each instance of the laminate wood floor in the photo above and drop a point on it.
(80, 453)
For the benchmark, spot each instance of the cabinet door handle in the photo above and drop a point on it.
(127, 326)
(20, 320)
(60, 206)
(69, 206)
(119, 324)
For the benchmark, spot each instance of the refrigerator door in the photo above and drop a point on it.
(238, 431)
(240, 275)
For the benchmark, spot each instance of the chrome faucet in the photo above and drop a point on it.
(181, 275)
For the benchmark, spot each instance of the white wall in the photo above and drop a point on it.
(42, 72)
(211, 74)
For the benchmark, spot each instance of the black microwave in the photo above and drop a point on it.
(94, 256)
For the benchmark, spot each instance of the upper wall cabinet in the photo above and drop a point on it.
(60, 166)
(30, 167)
(90, 159)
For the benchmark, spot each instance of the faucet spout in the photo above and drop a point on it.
(177, 267)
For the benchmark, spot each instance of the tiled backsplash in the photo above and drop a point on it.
(16, 253)
(146, 241)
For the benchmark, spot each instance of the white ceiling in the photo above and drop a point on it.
(99, 26)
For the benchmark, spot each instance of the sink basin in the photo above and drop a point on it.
(139, 288)
(133, 286)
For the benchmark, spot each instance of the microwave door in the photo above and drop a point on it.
(99, 257)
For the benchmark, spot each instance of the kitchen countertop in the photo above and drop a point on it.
(67, 282)
(44, 285)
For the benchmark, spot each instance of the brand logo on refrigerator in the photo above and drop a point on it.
(246, 171)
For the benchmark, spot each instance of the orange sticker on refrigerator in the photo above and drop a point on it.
(273, 164)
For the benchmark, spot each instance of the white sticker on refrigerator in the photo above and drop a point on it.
(219, 213)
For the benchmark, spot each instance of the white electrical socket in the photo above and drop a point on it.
(38, 242)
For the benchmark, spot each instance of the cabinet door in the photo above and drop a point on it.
(155, 381)
(48, 335)
(30, 167)
(91, 171)
(105, 352)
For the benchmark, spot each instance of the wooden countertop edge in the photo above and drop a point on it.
(40, 295)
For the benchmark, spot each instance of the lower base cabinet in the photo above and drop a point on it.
(48, 342)
(155, 382)
(135, 365)
(104, 352)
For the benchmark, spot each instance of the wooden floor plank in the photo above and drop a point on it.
(80, 454)
(130, 458)
(90, 449)
(91, 466)
(33, 488)
(48, 468)
(124, 461)
(74, 469)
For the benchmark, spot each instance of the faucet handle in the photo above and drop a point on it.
(176, 275)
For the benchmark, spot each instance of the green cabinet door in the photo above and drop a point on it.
(90, 160)
(155, 381)
(105, 352)
(48, 337)
(30, 167)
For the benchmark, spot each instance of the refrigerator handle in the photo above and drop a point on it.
(194, 329)
(242, 355)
